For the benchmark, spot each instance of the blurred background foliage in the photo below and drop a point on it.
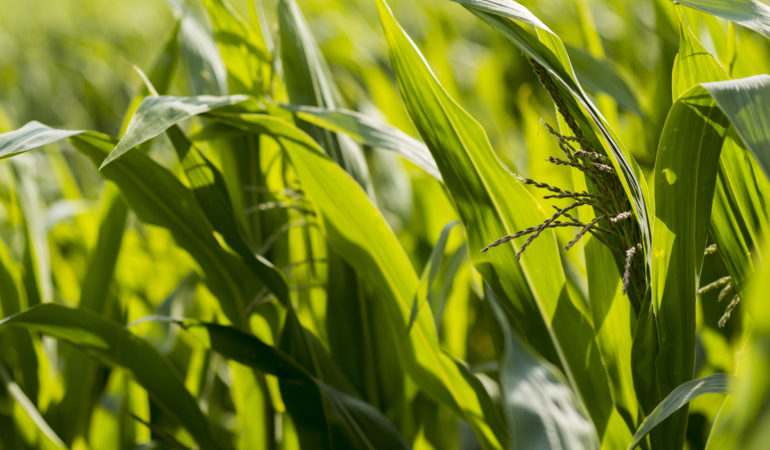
(69, 65)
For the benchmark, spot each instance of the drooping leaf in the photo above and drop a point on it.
(744, 102)
(114, 345)
(159, 198)
(368, 131)
(326, 417)
(751, 14)
(359, 234)
(157, 113)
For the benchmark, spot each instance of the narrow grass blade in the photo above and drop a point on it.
(713, 384)
(38, 275)
(206, 71)
(30, 408)
(114, 345)
(429, 273)
(540, 409)
(368, 131)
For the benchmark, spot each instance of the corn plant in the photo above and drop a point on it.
(236, 268)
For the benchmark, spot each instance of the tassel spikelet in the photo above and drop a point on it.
(613, 225)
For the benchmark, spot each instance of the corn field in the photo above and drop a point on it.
(374, 224)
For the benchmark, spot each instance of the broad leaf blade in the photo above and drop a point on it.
(751, 14)
(358, 233)
(540, 409)
(493, 204)
(156, 114)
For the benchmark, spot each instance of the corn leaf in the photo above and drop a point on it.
(713, 384)
(540, 409)
(30, 408)
(326, 417)
(357, 232)
(547, 49)
(493, 204)
(751, 14)
(309, 82)
(116, 346)
(157, 113)
(160, 199)
(244, 52)
(368, 131)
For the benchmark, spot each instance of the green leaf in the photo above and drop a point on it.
(205, 69)
(751, 14)
(158, 198)
(368, 131)
(244, 52)
(358, 233)
(547, 49)
(430, 272)
(325, 417)
(30, 408)
(540, 409)
(31, 135)
(493, 204)
(685, 176)
(712, 384)
(208, 186)
(156, 114)
(116, 346)
(601, 75)
(744, 102)
(309, 82)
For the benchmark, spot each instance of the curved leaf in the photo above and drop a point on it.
(326, 417)
(548, 50)
(158, 198)
(368, 131)
(751, 14)
(713, 384)
(356, 231)
(158, 113)
(30, 409)
(116, 346)
(492, 204)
